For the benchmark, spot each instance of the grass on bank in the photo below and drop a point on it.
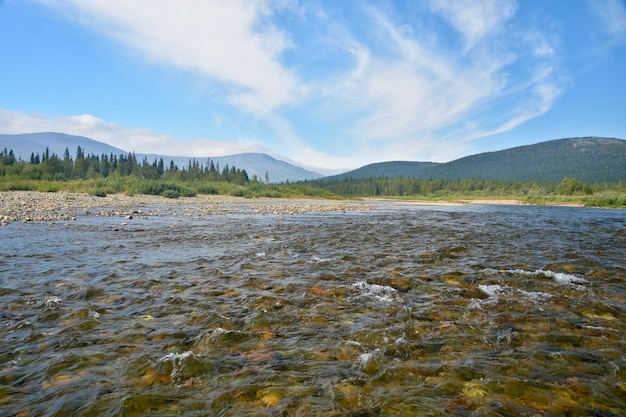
(174, 189)
(608, 199)
(166, 188)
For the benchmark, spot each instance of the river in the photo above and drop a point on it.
(401, 310)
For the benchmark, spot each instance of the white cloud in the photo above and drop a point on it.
(147, 141)
(420, 91)
(475, 19)
(128, 139)
(421, 100)
(231, 42)
(405, 96)
(540, 101)
(612, 17)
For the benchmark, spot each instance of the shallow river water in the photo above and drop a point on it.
(403, 310)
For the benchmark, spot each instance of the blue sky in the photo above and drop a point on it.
(323, 83)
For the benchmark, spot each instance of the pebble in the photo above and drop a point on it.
(33, 206)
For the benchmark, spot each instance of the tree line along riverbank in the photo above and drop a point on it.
(124, 174)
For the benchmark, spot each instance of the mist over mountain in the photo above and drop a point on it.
(255, 164)
(258, 164)
(589, 159)
(25, 144)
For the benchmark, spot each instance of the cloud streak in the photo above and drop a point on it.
(390, 86)
(475, 20)
(611, 15)
(420, 90)
(232, 42)
(128, 139)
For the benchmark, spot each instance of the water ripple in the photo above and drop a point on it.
(399, 311)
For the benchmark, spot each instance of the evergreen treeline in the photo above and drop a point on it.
(591, 160)
(99, 175)
(51, 167)
(412, 187)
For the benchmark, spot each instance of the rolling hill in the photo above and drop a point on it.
(25, 144)
(389, 169)
(589, 159)
(254, 163)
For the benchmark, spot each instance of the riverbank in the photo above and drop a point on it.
(462, 202)
(472, 201)
(33, 206)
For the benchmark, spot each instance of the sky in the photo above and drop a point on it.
(326, 84)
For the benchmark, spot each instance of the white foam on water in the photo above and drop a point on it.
(260, 255)
(491, 290)
(563, 278)
(535, 295)
(218, 330)
(600, 328)
(176, 356)
(364, 358)
(559, 277)
(177, 362)
(378, 292)
(494, 292)
(317, 259)
(52, 301)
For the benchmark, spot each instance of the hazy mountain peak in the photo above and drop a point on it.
(254, 163)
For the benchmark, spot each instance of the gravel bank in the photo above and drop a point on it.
(30, 206)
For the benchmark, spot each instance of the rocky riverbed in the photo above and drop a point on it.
(30, 206)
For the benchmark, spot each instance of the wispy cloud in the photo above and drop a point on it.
(612, 18)
(233, 42)
(421, 93)
(475, 20)
(128, 139)
(412, 86)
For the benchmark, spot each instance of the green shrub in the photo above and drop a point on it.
(169, 193)
(48, 187)
(19, 185)
(241, 192)
(207, 189)
(606, 199)
(98, 193)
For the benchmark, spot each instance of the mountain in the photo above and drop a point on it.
(254, 163)
(589, 159)
(25, 144)
(390, 170)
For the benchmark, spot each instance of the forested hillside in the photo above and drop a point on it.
(590, 160)
(389, 170)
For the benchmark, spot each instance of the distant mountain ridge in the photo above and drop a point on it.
(254, 163)
(589, 159)
(25, 144)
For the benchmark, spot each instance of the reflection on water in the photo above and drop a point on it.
(405, 310)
